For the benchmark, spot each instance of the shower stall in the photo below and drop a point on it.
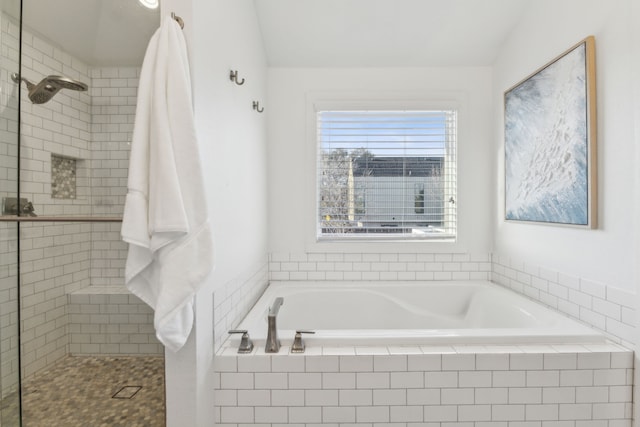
(74, 342)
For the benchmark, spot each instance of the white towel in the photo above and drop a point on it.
(165, 218)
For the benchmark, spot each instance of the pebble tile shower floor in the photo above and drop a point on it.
(97, 391)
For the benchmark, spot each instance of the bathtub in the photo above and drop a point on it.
(410, 313)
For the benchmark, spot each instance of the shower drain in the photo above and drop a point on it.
(127, 392)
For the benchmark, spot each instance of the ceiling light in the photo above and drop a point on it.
(151, 4)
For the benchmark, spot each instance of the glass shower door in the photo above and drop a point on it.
(9, 344)
(88, 351)
(63, 174)
(9, 227)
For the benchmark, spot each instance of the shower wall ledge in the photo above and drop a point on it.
(102, 290)
(15, 218)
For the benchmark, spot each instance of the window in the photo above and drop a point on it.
(386, 174)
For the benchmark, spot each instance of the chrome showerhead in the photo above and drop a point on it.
(48, 87)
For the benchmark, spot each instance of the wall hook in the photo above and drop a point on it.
(256, 106)
(233, 76)
(179, 20)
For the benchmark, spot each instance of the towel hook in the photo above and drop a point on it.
(256, 106)
(179, 20)
(233, 76)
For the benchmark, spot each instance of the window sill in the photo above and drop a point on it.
(378, 239)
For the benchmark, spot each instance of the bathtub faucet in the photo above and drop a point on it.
(273, 343)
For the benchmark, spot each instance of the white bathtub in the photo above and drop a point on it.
(352, 313)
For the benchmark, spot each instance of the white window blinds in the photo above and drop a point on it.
(386, 174)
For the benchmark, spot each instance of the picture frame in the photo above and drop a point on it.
(550, 142)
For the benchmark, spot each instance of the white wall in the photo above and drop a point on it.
(222, 35)
(606, 255)
(291, 139)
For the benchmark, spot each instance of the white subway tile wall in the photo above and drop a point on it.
(61, 127)
(379, 266)
(108, 254)
(113, 103)
(233, 300)
(108, 320)
(541, 386)
(9, 42)
(55, 261)
(602, 306)
(8, 309)
(113, 94)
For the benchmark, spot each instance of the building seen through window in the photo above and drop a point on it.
(386, 174)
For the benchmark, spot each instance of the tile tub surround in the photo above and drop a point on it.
(601, 306)
(488, 386)
(379, 266)
(233, 300)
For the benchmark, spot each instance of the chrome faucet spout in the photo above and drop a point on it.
(275, 308)
(273, 343)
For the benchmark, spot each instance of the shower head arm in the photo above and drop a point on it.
(17, 79)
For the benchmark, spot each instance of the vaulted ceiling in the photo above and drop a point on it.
(385, 33)
(300, 33)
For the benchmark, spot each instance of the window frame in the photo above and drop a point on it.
(451, 102)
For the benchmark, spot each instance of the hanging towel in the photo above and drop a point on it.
(165, 218)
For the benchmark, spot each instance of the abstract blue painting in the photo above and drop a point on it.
(550, 142)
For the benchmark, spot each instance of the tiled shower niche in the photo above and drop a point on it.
(63, 177)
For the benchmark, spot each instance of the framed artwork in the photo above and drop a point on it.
(550, 142)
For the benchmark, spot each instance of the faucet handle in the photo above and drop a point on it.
(246, 345)
(298, 345)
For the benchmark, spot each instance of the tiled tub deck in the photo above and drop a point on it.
(432, 386)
